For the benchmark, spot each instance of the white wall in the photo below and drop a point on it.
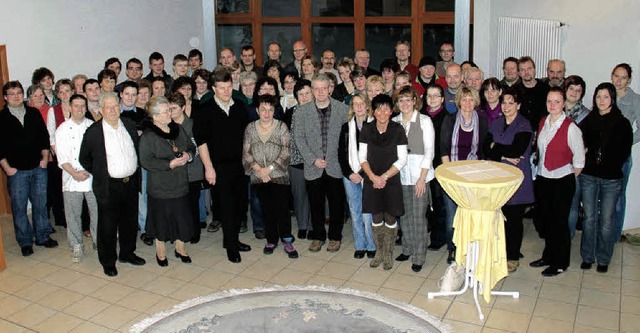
(597, 36)
(71, 37)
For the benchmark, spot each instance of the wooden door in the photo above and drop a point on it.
(5, 204)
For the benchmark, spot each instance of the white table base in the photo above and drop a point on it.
(471, 281)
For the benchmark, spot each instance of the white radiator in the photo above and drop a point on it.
(539, 39)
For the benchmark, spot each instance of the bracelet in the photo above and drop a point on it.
(385, 176)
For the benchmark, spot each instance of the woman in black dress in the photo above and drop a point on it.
(165, 150)
(382, 153)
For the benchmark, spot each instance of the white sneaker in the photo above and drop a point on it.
(77, 253)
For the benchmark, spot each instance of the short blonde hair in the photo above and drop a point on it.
(352, 112)
(464, 92)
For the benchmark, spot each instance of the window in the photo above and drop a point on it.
(341, 25)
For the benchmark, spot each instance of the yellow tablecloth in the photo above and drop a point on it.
(481, 188)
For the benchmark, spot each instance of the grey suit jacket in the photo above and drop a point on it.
(308, 138)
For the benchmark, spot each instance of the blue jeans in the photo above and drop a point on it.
(575, 208)
(202, 205)
(24, 186)
(599, 198)
(621, 203)
(255, 210)
(142, 202)
(450, 207)
(361, 223)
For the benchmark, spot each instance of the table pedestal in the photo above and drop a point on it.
(471, 281)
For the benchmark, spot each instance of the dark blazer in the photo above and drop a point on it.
(446, 134)
(93, 156)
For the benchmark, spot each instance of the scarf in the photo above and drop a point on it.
(492, 114)
(19, 112)
(475, 123)
(432, 113)
(354, 161)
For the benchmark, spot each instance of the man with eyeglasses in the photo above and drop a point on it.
(318, 125)
(109, 152)
(299, 51)
(328, 60)
(248, 58)
(446, 54)
(24, 154)
(133, 72)
(362, 59)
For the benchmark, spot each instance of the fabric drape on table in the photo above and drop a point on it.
(479, 218)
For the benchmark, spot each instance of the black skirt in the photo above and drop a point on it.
(169, 219)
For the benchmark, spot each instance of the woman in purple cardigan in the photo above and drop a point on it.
(509, 140)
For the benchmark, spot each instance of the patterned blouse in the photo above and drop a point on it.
(274, 152)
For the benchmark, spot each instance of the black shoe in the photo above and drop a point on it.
(552, 271)
(27, 250)
(586, 265)
(435, 246)
(233, 256)
(203, 224)
(520, 255)
(243, 227)
(359, 254)
(162, 263)
(402, 257)
(602, 268)
(214, 226)
(133, 259)
(195, 239)
(49, 243)
(146, 240)
(539, 263)
(268, 249)
(185, 259)
(416, 268)
(302, 234)
(110, 271)
(53, 231)
(371, 254)
(451, 257)
(242, 247)
(260, 234)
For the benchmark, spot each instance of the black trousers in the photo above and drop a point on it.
(274, 201)
(331, 189)
(117, 221)
(194, 201)
(513, 229)
(553, 207)
(436, 218)
(230, 193)
(54, 192)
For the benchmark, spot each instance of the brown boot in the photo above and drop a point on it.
(388, 242)
(377, 240)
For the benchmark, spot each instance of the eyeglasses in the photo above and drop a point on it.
(11, 94)
(434, 96)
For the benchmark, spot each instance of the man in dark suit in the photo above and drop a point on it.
(218, 129)
(109, 153)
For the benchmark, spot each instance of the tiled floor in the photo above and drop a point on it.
(48, 293)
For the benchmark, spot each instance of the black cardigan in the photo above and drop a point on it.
(611, 134)
(446, 134)
(22, 146)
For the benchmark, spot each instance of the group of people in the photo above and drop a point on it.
(161, 153)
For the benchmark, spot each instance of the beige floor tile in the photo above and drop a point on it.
(437, 307)
(229, 267)
(397, 295)
(467, 313)
(524, 286)
(261, 270)
(190, 291)
(133, 276)
(570, 278)
(555, 310)
(290, 277)
(404, 282)
(165, 303)
(9, 327)
(599, 299)
(60, 299)
(12, 304)
(559, 292)
(629, 323)
(62, 277)
(307, 265)
(59, 323)
(164, 285)
(241, 282)
(114, 316)
(320, 280)
(601, 282)
(345, 256)
(632, 260)
(213, 279)
(631, 273)
(89, 327)
(86, 284)
(31, 316)
(360, 286)
(546, 325)
(184, 273)
(631, 305)
(112, 292)
(579, 328)
(34, 269)
(509, 321)
(337, 270)
(140, 300)
(524, 304)
(630, 288)
(493, 330)
(462, 327)
(599, 318)
(430, 285)
(86, 308)
(36, 291)
(370, 276)
(12, 282)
